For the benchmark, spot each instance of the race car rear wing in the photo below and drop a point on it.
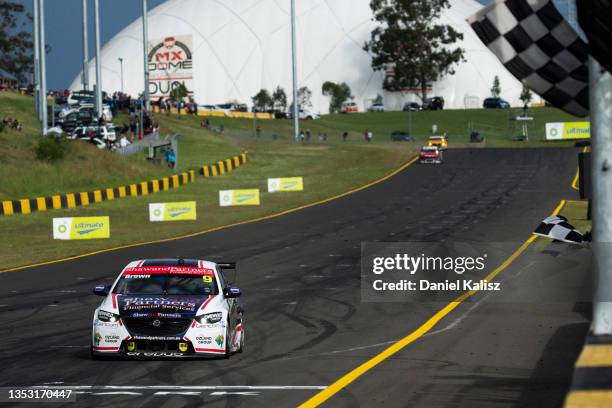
(228, 265)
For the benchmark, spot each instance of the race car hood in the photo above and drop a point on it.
(159, 305)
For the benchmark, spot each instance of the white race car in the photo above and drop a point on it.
(169, 308)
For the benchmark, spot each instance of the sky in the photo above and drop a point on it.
(63, 29)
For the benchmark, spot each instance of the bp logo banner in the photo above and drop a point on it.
(81, 228)
(285, 184)
(179, 211)
(170, 64)
(568, 130)
(238, 197)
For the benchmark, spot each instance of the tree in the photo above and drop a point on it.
(279, 98)
(338, 93)
(263, 100)
(496, 88)
(16, 46)
(303, 94)
(412, 43)
(526, 95)
(179, 92)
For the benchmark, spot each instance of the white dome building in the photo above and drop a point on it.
(228, 50)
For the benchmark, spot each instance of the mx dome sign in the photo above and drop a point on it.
(170, 64)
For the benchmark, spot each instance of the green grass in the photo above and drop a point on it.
(84, 168)
(576, 214)
(328, 169)
(496, 125)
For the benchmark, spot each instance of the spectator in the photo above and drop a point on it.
(308, 135)
(258, 132)
(123, 142)
(369, 136)
(170, 158)
(344, 136)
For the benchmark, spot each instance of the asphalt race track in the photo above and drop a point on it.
(306, 325)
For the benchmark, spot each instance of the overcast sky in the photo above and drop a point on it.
(63, 29)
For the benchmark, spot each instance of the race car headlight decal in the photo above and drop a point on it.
(105, 316)
(210, 318)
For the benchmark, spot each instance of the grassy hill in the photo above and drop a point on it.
(83, 168)
(328, 169)
(496, 125)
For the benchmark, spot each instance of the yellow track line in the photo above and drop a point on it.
(575, 181)
(222, 227)
(354, 374)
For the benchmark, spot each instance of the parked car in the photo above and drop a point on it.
(434, 103)
(495, 103)
(305, 115)
(70, 119)
(377, 107)
(279, 114)
(349, 107)
(99, 136)
(412, 107)
(401, 136)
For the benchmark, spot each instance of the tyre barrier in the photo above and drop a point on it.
(73, 200)
(223, 166)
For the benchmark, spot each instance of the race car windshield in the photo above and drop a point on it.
(195, 285)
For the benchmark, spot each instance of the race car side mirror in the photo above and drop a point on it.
(232, 292)
(101, 290)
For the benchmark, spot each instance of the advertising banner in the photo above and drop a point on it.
(180, 211)
(285, 184)
(238, 197)
(568, 130)
(170, 65)
(81, 228)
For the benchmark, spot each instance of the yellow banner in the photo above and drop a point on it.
(238, 197)
(568, 130)
(285, 184)
(81, 228)
(180, 211)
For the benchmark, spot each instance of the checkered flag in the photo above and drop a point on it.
(538, 47)
(557, 227)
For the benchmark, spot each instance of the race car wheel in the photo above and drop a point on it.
(228, 344)
(93, 355)
(241, 346)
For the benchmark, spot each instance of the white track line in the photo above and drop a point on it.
(183, 387)
(234, 393)
(178, 393)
